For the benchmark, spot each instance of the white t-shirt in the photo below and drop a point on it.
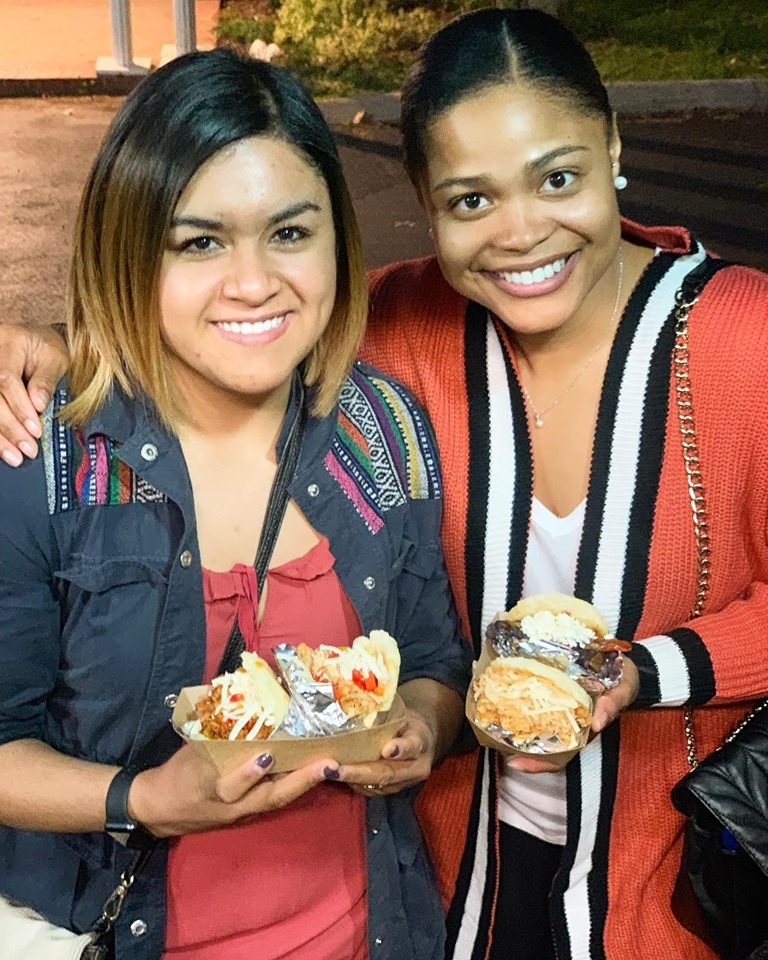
(535, 803)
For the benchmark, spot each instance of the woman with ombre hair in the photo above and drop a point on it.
(212, 413)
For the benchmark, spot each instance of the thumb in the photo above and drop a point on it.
(40, 389)
(234, 786)
(46, 363)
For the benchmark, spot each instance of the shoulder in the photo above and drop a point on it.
(83, 468)
(414, 316)
(410, 292)
(384, 435)
(731, 317)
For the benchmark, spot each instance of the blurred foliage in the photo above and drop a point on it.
(344, 46)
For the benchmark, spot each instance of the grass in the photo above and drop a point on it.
(629, 40)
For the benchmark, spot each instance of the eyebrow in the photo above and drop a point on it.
(546, 158)
(202, 223)
(543, 161)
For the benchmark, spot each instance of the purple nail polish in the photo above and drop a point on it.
(394, 753)
(330, 774)
(263, 761)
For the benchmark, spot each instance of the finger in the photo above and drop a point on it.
(606, 711)
(551, 764)
(406, 746)
(234, 786)
(273, 794)
(40, 390)
(19, 422)
(380, 773)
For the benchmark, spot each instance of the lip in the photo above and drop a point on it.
(267, 330)
(538, 288)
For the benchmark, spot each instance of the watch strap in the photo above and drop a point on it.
(119, 823)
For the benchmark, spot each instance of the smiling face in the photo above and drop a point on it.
(519, 192)
(248, 279)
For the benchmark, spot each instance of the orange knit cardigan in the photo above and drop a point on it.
(624, 835)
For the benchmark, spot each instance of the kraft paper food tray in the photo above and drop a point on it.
(559, 758)
(290, 753)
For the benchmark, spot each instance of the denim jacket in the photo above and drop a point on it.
(102, 618)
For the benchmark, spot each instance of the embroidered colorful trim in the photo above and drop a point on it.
(86, 473)
(382, 453)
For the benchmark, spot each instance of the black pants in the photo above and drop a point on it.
(521, 929)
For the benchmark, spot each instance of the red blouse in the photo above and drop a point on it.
(291, 884)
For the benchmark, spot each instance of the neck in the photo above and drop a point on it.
(219, 415)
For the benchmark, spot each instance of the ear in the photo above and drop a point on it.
(614, 143)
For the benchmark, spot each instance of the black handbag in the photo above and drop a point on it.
(721, 892)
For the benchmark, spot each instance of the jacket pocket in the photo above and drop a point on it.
(98, 578)
(419, 560)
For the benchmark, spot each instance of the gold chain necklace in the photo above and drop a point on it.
(538, 415)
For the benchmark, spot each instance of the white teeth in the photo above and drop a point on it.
(527, 277)
(260, 326)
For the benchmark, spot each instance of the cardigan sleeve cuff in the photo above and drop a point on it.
(675, 669)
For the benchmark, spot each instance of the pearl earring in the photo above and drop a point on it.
(620, 182)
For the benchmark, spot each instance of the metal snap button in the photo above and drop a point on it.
(369, 583)
(375, 831)
(138, 928)
(171, 700)
(149, 452)
(186, 559)
(378, 941)
(313, 489)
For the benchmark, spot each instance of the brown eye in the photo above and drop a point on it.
(470, 202)
(559, 180)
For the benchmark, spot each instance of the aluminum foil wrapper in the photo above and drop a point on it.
(592, 667)
(313, 711)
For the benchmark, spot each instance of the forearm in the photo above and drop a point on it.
(41, 789)
(441, 708)
(720, 657)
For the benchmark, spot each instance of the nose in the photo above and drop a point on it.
(251, 276)
(522, 223)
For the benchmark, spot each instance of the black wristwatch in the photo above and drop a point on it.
(119, 824)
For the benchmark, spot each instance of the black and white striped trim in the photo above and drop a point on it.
(612, 570)
(612, 573)
(500, 477)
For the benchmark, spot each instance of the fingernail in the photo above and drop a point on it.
(394, 753)
(33, 426)
(12, 458)
(330, 773)
(43, 398)
(263, 761)
(28, 449)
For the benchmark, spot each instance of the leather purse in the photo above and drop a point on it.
(722, 884)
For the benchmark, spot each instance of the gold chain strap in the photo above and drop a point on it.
(684, 397)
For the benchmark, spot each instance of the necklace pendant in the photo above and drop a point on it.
(538, 421)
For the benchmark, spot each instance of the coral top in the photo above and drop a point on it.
(290, 884)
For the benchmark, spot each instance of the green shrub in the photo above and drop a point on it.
(337, 33)
(238, 30)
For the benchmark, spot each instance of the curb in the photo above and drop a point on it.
(648, 97)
